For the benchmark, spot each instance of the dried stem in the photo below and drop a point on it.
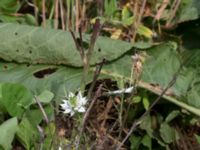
(62, 14)
(56, 14)
(138, 21)
(95, 77)
(82, 127)
(173, 12)
(77, 15)
(161, 9)
(44, 13)
(42, 110)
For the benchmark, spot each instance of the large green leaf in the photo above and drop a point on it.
(38, 78)
(33, 45)
(15, 99)
(27, 134)
(7, 130)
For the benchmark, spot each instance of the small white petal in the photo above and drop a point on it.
(67, 111)
(59, 148)
(71, 94)
(79, 96)
(129, 90)
(72, 113)
(81, 109)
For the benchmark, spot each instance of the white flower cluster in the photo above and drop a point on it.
(74, 103)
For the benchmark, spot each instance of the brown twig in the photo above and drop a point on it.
(62, 14)
(173, 12)
(44, 13)
(77, 15)
(95, 77)
(82, 127)
(42, 110)
(137, 122)
(138, 21)
(161, 9)
(56, 14)
(86, 56)
(34, 5)
(45, 118)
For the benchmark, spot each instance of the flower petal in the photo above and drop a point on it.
(81, 109)
(70, 95)
(72, 113)
(67, 111)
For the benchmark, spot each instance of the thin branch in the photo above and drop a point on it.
(44, 13)
(62, 14)
(42, 109)
(82, 127)
(95, 77)
(77, 44)
(56, 13)
(138, 21)
(173, 13)
(77, 15)
(161, 9)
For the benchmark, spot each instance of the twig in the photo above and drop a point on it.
(42, 109)
(97, 94)
(86, 56)
(136, 123)
(62, 14)
(56, 13)
(137, 23)
(44, 13)
(174, 10)
(95, 77)
(45, 118)
(161, 9)
(77, 15)
(35, 10)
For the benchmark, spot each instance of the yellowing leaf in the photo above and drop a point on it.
(116, 34)
(145, 31)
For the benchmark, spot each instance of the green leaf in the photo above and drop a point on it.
(33, 45)
(136, 99)
(146, 125)
(49, 131)
(15, 98)
(172, 115)
(46, 96)
(197, 138)
(167, 133)
(189, 11)
(9, 6)
(146, 141)
(110, 7)
(145, 102)
(27, 134)
(7, 130)
(37, 79)
(135, 142)
(145, 31)
(35, 116)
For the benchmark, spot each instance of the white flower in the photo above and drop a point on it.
(74, 103)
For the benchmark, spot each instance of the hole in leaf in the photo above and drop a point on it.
(85, 44)
(16, 33)
(17, 50)
(99, 50)
(45, 72)
(30, 52)
(5, 67)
